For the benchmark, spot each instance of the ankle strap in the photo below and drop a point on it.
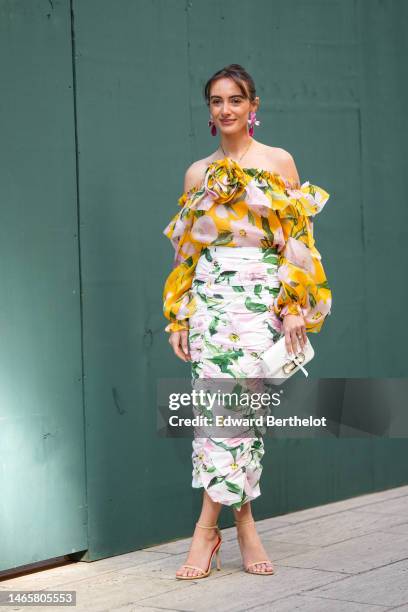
(244, 521)
(207, 526)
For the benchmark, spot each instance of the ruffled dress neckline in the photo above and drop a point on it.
(226, 181)
(231, 167)
(252, 171)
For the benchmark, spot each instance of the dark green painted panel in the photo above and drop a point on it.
(384, 100)
(42, 476)
(141, 67)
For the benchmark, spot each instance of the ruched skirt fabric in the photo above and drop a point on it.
(234, 323)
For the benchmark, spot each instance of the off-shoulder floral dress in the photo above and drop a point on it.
(241, 207)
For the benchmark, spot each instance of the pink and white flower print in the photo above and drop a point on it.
(233, 324)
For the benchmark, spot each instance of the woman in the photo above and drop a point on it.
(246, 271)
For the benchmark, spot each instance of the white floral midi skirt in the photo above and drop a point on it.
(233, 324)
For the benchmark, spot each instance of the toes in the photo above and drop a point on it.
(261, 568)
(188, 572)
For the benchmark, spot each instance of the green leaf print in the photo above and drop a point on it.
(312, 301)
(237, 505)
(324, 285)
(255, 306)
(275, 335)
(205, 412)
(251, 218)
(210, 301)
(212, 347)
(213, 325)
(270, 256)
(237, 388)
(238, 288)
(207, 254)
(300, 233)
(188, 262)
(267, 228)
(193, 336)
(233, 452)
(216, 480)
(222, 445)
(199, 213)
(195, 369)
(251, 171)
(233, 402)
(224, 360)
(233, 488)
(272, 290)
(258, 290)
(290, 293)
(225, 275)
(232, 449)
(223, 238)
(292, 218)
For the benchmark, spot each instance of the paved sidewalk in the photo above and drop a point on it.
(348, 556)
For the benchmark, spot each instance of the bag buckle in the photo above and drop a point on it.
(295, 362)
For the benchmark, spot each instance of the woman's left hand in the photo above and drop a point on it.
(295, 333)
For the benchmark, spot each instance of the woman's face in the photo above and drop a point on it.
(228, 106)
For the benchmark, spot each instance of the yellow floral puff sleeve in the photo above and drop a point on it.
(304, 288)
(236, 207)
(178, 302)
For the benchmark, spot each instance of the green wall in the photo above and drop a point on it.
(42, 452)
(104, 141)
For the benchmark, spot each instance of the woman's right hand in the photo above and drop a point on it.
(179, 343)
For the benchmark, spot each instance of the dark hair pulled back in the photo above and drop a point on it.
(239, 75)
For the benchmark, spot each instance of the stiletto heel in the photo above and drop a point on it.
(246, 568)
(217, 559)
(215, 551)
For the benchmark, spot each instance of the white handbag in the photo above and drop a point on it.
(278, 364)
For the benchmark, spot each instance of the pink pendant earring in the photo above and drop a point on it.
(252, 121)
(212, 126)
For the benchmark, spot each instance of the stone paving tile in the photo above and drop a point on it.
(326, 530)
(397, 506)
(386, 586)
(108, 592)
(307, 603)
(355, 555)
(346, 504)
(402, 528)
(240, 591)
(343, 557)
(77, 571)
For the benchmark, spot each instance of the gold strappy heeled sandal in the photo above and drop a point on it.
(215, 551)
(246, 568)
